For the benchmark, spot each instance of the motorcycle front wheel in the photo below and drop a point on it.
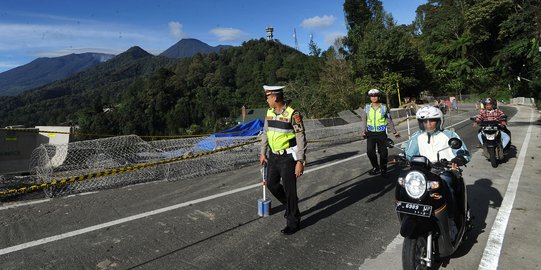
(413, 252)
(492, 154)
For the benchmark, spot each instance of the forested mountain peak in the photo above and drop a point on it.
(188, 47)
(134, 52)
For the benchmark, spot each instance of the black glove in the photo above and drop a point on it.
(459, 160)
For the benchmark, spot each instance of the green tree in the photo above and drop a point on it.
(313, 49)
(337, 84)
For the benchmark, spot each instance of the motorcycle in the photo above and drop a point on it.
(492, 143)
(433, 218)
(443, 108)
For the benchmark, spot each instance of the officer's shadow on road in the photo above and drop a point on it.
(348, 195)
(481, 197)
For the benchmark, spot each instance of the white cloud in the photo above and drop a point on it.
(175, 29)
(228, 34)
(54, 40)
(35, 35)
(318, 22)
(331, 37)
(20, 43)
(49, 17)
(67, 51)
(8, 65)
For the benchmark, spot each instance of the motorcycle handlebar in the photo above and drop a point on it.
(490, 123)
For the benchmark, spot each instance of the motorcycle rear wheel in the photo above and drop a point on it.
(413, 250)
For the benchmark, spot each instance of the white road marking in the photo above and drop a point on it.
(147, 214)
(15, 205)
(153, 212)
(491, 255)
(118, 221)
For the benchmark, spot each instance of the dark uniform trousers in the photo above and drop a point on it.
(283, 167)
(456, 187)
(378, 139)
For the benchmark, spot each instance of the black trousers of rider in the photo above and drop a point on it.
(282, 167)
(456, 201)
(373, 140)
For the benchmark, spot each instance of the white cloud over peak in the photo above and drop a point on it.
(67, 51)
(228, 34)
(175, 29)
(318, 22)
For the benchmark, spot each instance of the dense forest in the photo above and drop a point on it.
(454, 47)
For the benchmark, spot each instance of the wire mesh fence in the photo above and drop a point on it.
(126, 160)
(135, 160)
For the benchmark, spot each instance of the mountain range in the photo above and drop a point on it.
(45, 70)
(136, 92)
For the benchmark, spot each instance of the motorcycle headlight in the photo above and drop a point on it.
(415, 184)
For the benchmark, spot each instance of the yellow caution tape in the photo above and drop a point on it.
(108, 172)
(111, 135)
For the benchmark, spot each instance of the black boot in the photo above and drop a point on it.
(384, 172)
(374, 171)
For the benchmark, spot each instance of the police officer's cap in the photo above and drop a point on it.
(273, 89)
(374, 92)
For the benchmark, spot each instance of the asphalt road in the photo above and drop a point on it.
(212, 223)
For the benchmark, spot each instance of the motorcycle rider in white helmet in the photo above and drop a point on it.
(431, 138)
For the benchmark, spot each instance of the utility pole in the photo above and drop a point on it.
(295, 37)
(398, 90)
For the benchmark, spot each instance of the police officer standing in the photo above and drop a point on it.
(374, 120)
(283, 133)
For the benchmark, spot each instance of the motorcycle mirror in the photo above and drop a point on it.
(389, 143)
(454, 143)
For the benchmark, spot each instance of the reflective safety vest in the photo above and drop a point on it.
(376, 122)
(280, 132)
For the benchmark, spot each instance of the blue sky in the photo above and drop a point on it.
(30, 29)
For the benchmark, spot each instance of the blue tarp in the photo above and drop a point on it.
(251, 128)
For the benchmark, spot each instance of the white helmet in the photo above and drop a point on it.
(374, 92)
(429, 112)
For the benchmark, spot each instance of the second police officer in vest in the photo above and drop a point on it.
(375, 118)
(283, 133)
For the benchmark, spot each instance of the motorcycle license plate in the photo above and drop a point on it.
(414, 209)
